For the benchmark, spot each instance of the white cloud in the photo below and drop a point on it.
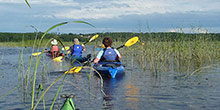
(114, 9)
(73, 9)
(189, 30)
(43, 2)
(112, 14)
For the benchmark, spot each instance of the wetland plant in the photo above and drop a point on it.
(184, 54)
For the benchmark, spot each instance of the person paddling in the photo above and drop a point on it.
(76, 50)
(54, 51)
(108, 54)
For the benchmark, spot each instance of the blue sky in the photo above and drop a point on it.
(111, 15)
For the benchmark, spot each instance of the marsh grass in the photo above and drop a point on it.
(185, 55)
(28, 77)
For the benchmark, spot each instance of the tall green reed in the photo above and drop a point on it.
(158, 53)
(38, 58)
(32, 80)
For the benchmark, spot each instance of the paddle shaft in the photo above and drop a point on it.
(120, 47)
(86, 42)
(91, 39)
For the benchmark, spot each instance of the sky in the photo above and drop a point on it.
(188, 16)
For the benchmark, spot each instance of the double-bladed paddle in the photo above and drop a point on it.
(129, 43)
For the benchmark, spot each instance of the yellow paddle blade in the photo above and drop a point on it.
(66, 48)
(36, 54)
(74, 70)
(131, 41)
(94, 37)
(103, 46)
(58, 59)
(78, 69)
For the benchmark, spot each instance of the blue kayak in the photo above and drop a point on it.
(111, 69)
(78, 59)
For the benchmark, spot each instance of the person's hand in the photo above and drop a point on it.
(84, 48)
(96, 60)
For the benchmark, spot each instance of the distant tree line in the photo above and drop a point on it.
(116, 36)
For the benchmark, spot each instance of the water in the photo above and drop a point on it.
(135, 90)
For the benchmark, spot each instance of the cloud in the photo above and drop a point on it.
(101, 9)
(114, 9)
(111, 9)
(189, 30)
(111, 15)
(43, 2)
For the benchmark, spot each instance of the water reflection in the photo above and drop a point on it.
(131, 96)
(110, 87)
(57, 66)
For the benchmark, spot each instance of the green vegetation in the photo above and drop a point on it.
(183, 53)
(178, 52)
(156, 51)
(16, 38)
(119, 36)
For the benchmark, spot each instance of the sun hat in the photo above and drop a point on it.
(54, 42)
(76, 41)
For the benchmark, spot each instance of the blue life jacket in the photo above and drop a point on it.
(76, 50)
(109, 55)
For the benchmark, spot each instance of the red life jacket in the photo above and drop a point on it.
(55, 48)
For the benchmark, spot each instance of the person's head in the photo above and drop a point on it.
(54, 42)
(76, 41)
(107, 42)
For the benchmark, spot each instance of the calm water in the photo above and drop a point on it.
(135, 90)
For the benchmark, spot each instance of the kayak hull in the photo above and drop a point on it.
(78, 60)
(109, 69)
(57, 59)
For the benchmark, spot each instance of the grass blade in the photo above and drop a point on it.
(28, 4)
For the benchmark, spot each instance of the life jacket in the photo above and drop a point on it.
(76, 50)
(55, 48)
(109, 55)
(54, 51)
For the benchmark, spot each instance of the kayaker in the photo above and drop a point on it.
(108, 54)
(76, 49)
(54, 51)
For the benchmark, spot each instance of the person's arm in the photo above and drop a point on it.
(84, 48)
(119, 55)
(98, 57)
(69, 51)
